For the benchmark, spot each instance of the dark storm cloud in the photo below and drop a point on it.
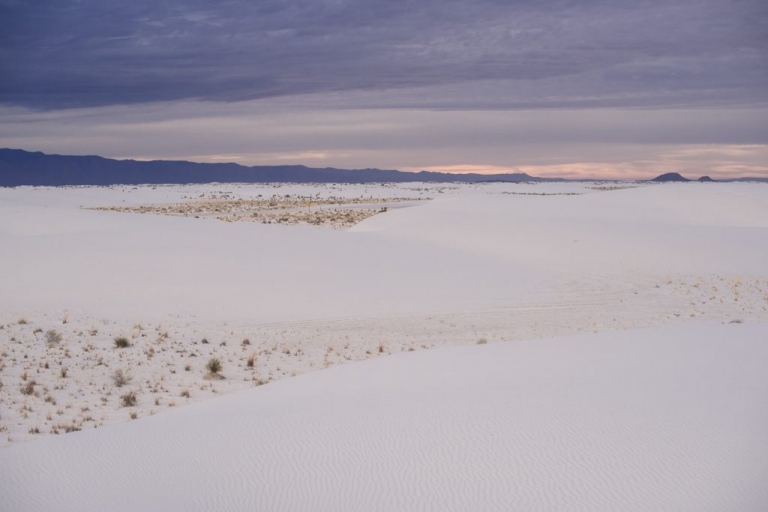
(57, 54)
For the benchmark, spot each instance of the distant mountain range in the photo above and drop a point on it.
(19, 167)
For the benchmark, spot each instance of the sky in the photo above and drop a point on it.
(569, 88)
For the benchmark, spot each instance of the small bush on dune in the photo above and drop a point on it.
(128, 399)
(482, 341)
(213, 366)
(251, 360)
(122, 342)
(28, 388)
(121, 378)
(52, 337)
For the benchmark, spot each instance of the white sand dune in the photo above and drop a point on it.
(145, 267)
(616, 417)
(671, 228)
(469, 248)
(669, 418)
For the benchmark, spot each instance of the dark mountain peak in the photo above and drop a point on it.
(670, 176)
(706, 179)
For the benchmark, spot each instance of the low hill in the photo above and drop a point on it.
(670, 176)
(19, 167)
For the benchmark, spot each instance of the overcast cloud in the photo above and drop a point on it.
(400, 83)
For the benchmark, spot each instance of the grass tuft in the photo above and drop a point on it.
(128, 399)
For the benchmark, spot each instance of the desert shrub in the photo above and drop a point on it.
(128, 399)
(122, 342)
(52, 337)
(213, 366)
(121, 378)
(28, 388)
(185, 393)
(245, 342)
(251, 360)
(187, 368)
(482, 341)
(55, 429)
(23, 321)
(63, 373)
